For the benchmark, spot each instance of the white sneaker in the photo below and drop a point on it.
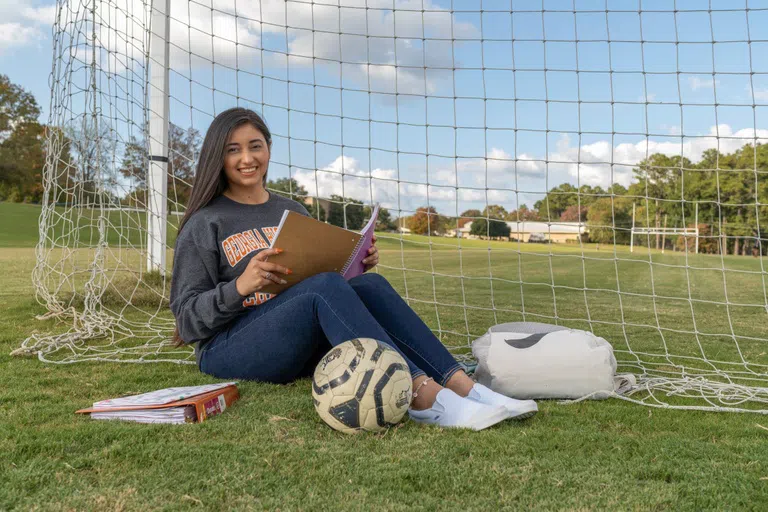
(451, 410)
(516, 409)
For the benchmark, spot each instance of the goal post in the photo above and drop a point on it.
(685, 232)
(157, 204)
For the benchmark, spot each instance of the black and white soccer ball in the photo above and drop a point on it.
(362, 384)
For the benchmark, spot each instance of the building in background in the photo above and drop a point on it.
(557, 232)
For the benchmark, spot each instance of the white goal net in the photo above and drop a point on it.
(482, 127)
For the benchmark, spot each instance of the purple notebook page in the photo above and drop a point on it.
(356, 267)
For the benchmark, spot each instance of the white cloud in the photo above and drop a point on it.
(697, 83)
(500, 170)
(44, 15)
(16, 34)
(211, 35)
(493, 179)
(312, 30)
(344, 177)
(591, 163)
(206, 31)
(25, 22)
(761, 94)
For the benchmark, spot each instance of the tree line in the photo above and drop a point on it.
(22, 153)
(730, 190)
(727, 193)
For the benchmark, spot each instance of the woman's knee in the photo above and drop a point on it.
(370, 279)
(326, 280)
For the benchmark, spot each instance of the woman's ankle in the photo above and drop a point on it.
(460, 383)
(425, 391)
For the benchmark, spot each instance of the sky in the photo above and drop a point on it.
(490, 102)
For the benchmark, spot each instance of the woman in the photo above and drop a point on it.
(220, 266)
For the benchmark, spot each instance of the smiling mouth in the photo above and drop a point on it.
(248, 171)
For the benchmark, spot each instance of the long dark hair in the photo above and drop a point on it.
(210, 179)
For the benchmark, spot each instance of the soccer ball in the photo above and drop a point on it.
(362, 384)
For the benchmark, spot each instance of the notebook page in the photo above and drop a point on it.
(159, 397)
(279, 227)
(172, 415)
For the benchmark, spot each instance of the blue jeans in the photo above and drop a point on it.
(284, 338)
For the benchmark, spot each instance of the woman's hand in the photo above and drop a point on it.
(260, 273)
(373, 256)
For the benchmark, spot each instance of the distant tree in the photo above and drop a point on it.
(94, 177)
(290, 188)
(493, 228)
(21, 163)
(742, 189)
(287, 187)
(467, 216)
(17, 106)
(556, 201)
(346, 213)
(660, 184)
(609, 220)
(617, 189)
(522, 214)
(425, 221)
(21, 144)
(184, 148)
(315, 210)
(494, 211)
(708, 244)
(589, 194)
(384, 221)
(559, 198)
(134, 163)
(574, 214)
(56, 148)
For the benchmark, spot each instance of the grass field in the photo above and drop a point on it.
(271, 451)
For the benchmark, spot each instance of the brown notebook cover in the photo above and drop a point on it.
(198, 408)
(310, 247)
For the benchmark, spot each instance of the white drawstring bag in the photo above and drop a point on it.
(533, 360)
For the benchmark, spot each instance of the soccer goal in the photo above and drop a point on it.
(613, 116)
(665, 232)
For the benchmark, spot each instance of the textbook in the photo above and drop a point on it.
(191, 404)
(311, 247)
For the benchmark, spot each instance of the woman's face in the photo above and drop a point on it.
(246, 158)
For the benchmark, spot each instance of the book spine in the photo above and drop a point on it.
(364, 239)
(211, 407)
(352, 257)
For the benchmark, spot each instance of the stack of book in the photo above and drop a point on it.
(191, 404)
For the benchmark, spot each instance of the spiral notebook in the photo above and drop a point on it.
(311, 247)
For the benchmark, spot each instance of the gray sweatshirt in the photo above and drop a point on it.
(211, 252)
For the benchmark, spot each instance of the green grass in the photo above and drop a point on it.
(74, 226)
(19, 224)
(664, 299)
(270, 450)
